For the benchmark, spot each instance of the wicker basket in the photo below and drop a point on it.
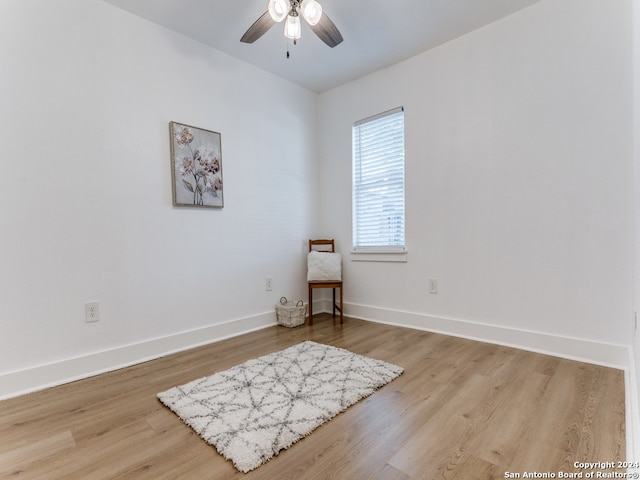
(291, 314)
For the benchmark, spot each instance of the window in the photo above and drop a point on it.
(378, 182)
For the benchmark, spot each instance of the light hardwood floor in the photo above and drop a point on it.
(461, 410)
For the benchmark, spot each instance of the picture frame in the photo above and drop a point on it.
(196, 166)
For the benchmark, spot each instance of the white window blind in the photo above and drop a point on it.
(378, 182)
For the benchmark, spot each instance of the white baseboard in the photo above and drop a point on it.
(29, 380)
(572, 348)
(590, 351)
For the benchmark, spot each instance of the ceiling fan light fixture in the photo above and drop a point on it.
(292, 10)
(292, 27)
(311, 11)
(278, 9)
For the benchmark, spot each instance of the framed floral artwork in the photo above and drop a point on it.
(196, 167)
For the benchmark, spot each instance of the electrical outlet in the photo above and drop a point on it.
(433, 286)
(91, 312)
(268, 284)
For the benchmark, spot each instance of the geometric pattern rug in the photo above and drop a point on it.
(253, 410)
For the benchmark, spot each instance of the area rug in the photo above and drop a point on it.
(252, 411)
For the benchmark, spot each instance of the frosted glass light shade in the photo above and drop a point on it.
(278, 9)
(311, 11)
(292, 27)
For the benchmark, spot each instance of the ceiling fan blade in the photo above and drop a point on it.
(326, 30)
(259, 28)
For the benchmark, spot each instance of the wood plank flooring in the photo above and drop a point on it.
(461, 410)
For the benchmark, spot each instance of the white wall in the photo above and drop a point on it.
(86, 95)
(519, 180)
(519, 186)
(635, 362)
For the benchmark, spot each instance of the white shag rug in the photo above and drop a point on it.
(252, 411)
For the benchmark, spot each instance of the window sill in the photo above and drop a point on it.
(379, 256)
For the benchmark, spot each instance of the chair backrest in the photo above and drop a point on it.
(323, 245)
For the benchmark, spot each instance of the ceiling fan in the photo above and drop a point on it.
(311, 11)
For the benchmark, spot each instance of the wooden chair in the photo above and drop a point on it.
(327, 246)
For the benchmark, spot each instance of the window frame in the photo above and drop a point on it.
(387, 252)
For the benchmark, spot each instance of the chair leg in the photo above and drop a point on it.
(310, 305)
(334, 302)
(341, 318)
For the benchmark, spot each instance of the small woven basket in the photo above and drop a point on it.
(291, 314)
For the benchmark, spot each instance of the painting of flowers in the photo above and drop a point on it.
(196, 162)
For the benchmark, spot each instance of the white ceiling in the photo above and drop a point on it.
(377, 33)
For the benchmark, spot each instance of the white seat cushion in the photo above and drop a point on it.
(324, 266)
